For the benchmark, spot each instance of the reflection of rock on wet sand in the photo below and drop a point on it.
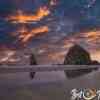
(78, 56)
(32, 62)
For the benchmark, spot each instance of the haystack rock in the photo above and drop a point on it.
(78, 56)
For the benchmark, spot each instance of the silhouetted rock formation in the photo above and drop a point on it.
(78, 56)
(32, 62)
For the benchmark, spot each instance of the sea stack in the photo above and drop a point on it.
(78, 56)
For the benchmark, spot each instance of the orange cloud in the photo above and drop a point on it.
(53, 2)
(7, 55)
(92, 36)
(21, 17)
(95, 55)
(25, 35)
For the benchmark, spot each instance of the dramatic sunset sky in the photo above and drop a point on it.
(48, 28)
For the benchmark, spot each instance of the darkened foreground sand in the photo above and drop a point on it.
(45, 86)
(48, 92)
